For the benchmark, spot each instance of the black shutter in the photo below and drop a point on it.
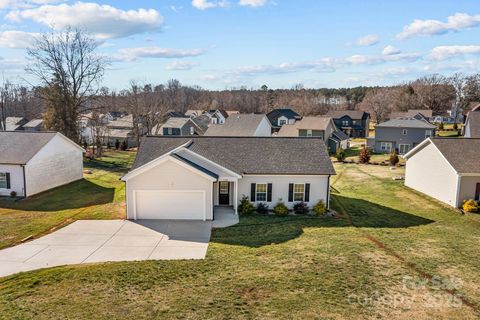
(8, 179)
(269, 192)
(290, 192)
(252, 192)
(307, 192)
(165, 131)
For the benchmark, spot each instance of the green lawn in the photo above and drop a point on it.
(352, 266)
(351, 154)
(99, 195)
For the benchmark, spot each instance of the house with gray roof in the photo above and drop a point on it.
(280, 117)
(401, 134)
(354, 123)
(471, 129)
(190, 177)
(176, 127)
(14, 123)
(33, 162)
(242, 125)
(446, 169)
(418, 114)
(320, 127)
(34, 125)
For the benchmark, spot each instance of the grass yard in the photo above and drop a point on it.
(390, 253)
(99, 196)
(351, 154)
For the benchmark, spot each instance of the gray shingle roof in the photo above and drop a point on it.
(33, 123)
(14, 123)
(19, 147)
(247, 155)
(406, 123)
(353, 114)
(239, 125)
(474, 124)
(461, 153)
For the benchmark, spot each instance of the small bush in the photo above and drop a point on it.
(364, 156)
(470, 206)
(394, 158)
(320, 209)
(117, 144)
(455, 126)
(13, 194)
(245, 206)
(280, 209)
(124, 145)
(340, 154)
(262, 208)
(301, 208)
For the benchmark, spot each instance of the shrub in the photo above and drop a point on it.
(117, 144)
(470, 206)
(455, 126)
(320, 208)
(340, 154)
(124, 145)
(301, 208)
(245, 206)
(280, 209)
(394, 158)
(364, 155)
(262, 208)
(13, 194)
(441, 126)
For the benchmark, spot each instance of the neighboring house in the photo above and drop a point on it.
(15, 123)
(92, 125)
(402, 134)
(442, 119)
(34, 125)
(242, 125)
(446, 169)
(471, 129)
(121, 130)
(187, 177)
(320, 127)
(193, 113)
(176, 127)
(279, 117)
(353, 123)
(33, 162)
(425, 115)
(202, 123)
(217, 116)
(114, 115)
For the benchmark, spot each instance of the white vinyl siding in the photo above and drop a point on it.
(3, 180)
(16, 180)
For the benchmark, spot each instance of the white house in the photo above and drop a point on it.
(188, 177)
(445, 169)
(32, 162)
(242, 125)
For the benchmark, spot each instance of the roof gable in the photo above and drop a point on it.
(239, 125)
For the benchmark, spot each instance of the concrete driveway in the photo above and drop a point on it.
(88, 241)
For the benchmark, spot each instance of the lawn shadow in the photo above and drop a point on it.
(260, 230)
(366, 214)
(79, 194)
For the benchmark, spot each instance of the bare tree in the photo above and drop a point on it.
(66, 64)
(435, 92)
(379, 103)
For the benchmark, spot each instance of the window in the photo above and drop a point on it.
(192, 131)
(404, 132)
(386, 146)
(403, 148)
(428, 133)
(309, 133)
(282, 122)
(345, 123)
(3, 180)
(261, 192)
(298, 192)
(169, 131)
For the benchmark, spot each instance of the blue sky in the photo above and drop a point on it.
(219, 44)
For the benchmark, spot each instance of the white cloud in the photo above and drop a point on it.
(131, 54)
(16, 39)
(455, 23)
(181, 65)
(446, 52)
(104, 21)
(206, 4)
(252, 3)
(390, 50)
(368, 40)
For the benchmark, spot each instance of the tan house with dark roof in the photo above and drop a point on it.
(446, 169)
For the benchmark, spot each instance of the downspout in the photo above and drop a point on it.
(457, 198)
(328, 193)
(24, 182)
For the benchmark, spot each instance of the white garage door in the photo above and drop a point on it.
(170, 205)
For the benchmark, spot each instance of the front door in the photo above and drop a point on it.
(477, 192)
(224, 193)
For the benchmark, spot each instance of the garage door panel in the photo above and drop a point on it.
(170, 205)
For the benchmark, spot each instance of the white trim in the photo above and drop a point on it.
(235, 197)
(293, 195)
(421, 146)
(169, 191)
(400, 148)
(266, 191)
(286, 175)
(152, 163)
(457, 196)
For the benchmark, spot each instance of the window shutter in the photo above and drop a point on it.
(269, 192)
(290, 192)
(252, 192)
(165, 131)
(8, 179)
(307, 192)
